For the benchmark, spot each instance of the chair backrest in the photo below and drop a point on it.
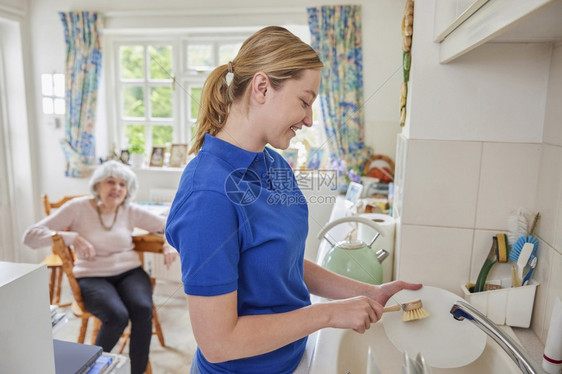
(67, 257)
(47, 205)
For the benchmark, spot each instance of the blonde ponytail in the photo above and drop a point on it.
(213, 108)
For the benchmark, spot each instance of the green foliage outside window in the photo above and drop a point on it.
(132, 62)
(133, 101)
(194, 100)
(161, 101)
(160, 62)
(135, 138)
(162, 135)
(147, 94)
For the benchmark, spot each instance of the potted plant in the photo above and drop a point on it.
(136, 149)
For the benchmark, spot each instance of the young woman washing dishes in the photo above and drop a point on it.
(239, 220)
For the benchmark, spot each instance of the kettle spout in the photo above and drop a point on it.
(382, 255)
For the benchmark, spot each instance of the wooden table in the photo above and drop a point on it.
(149, 243)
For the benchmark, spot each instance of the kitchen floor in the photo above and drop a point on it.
(171, 304)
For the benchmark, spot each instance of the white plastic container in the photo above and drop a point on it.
(512, 306)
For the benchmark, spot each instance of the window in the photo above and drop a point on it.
(52, 89)
(159, 85)
(145, 89)
(159, 82)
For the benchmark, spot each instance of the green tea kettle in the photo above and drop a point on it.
(354, 258)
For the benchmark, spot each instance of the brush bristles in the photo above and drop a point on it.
(415, 314)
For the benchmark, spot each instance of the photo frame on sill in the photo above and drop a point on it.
(353, 193)
(157, 156)
(291, 156)
(125, 156)
(178, 155)
(314, 159)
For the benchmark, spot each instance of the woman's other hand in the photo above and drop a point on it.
(382, 293)
(84, 250)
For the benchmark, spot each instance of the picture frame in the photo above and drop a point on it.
(157, 156)
(314, 159)
(125, 156)
(178, 155)
(291, 156)
(353, 193)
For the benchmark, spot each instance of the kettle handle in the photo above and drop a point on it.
(362, 220)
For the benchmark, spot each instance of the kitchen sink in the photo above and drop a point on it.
(339, 351)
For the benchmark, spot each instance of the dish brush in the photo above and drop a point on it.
(518, 225)
(502, 247)
(532, 265)
(517, 273)
(488, 263)
(413, 310)
(518, 246)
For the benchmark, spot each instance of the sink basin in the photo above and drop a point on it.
(340, 351)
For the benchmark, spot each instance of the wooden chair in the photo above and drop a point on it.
(53, 261)
(79, 310)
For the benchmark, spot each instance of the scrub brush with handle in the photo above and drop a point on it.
(529, 238)
(532, 265)
(413, 310)
(523, 253)
(488, 263)
(518, 225)
(517, 274)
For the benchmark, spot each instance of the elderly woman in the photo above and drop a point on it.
(114, 286)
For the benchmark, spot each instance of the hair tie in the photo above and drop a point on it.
(230, 70)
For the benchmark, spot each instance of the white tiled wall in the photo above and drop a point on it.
(457, 195)
(483, 137)
(549, 202)
(550, 195)
(435, 256)
(442, 183)
(508, 180)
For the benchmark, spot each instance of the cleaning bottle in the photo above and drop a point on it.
(552, 358)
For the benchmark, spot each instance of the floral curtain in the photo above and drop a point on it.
(82, 34)
(336, 37)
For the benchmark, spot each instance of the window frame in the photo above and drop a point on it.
(117, 98)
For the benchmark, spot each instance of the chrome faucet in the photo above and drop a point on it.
(461, 310)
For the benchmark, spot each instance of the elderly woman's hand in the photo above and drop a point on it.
(84, 250)
(170, 255)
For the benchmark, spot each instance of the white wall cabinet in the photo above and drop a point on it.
(499, 21)
(25, 320)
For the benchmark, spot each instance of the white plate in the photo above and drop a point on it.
(443, 341)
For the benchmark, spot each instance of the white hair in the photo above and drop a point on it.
(118, 170)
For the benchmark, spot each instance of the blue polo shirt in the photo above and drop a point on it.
(239, 222)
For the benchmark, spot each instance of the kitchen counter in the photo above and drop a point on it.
(530, 341)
